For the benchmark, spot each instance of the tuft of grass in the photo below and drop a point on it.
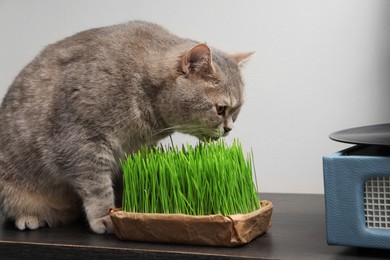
(209, 178)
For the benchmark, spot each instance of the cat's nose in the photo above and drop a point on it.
(227, 129)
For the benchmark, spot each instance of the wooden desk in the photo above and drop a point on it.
(297, 232)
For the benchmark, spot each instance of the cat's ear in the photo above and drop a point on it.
(198, 61)
(242, 57)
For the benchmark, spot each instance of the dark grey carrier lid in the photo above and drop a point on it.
(365, 135)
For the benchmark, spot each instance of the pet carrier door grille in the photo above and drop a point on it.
(377, 202)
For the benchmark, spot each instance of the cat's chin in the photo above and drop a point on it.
(207, 139)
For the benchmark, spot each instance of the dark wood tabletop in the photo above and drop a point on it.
(298, 232)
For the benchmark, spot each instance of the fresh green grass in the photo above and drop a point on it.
(209, 178)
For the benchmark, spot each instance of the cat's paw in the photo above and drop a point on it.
(102, 225)
(29, 222)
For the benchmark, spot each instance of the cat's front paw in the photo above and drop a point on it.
(29, 222)
(102, 225)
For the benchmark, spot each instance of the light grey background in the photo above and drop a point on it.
(320, 66)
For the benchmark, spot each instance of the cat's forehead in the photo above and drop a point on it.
(234, 102)
(231, 88)
(229, 78)
(229, 96)
(229, 71)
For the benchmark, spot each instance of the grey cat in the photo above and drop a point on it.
(86, 101)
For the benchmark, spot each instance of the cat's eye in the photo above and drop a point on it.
(221, 110)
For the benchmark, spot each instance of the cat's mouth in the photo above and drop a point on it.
(206, 139)
(213, 136)
(203, 134)
(209, 138)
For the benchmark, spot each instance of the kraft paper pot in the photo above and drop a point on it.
(213, 230)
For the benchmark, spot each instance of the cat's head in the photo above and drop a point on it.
(208, 93)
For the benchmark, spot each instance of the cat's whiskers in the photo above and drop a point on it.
(168, 129)
(196, 130)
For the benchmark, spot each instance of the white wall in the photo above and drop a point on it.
(321, 66)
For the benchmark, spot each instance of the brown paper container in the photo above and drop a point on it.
(213, 230)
